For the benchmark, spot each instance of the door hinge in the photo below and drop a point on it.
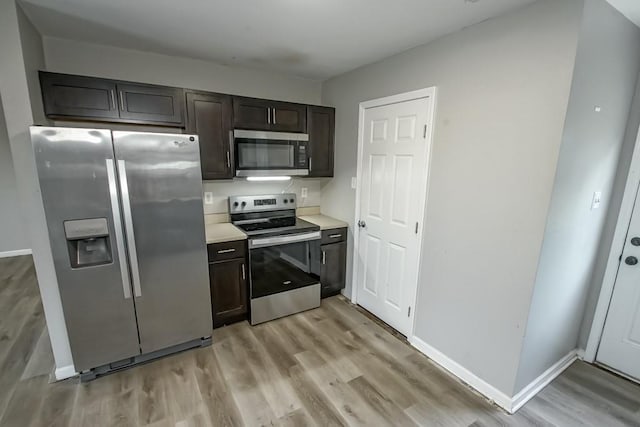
(424, 133)
(409, 312)
(416, 228)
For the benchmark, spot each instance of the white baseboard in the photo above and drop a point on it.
(509, 404)
(580, 353)
(65, 372)
(18, 252)
(463, 373)
(542, 381)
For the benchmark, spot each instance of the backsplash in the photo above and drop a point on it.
(240, 187)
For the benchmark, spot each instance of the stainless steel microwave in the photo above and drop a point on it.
(261, 153)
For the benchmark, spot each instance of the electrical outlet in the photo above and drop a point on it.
(303, 192)
(208, 198)
(597, 199)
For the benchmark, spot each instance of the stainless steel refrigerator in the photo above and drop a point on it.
(126, 226)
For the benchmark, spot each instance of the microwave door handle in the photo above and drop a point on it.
(117, 228)
(128, 225)
(268, 115)
(273, 112)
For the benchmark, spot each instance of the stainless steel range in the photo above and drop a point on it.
(283, 279)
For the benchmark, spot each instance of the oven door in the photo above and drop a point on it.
(282, 263)
(270, 153)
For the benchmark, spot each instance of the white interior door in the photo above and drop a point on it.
(393, 179)
(620, 344)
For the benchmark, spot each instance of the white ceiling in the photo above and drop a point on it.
(309, 38)
(629, 8)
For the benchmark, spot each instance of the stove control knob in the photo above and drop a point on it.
(291, 200)
(243, 204)
(285, 200)
(236, 204)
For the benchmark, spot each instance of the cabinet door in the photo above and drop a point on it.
(286, 117)
(151, 104)
(334, 268)
(209, 116)
(321, 126)
(250, 113)
(228, 280)
(78, 96)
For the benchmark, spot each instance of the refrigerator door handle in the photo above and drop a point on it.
(117, 225)
(128, 224)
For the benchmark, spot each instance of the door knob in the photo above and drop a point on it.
(635, 241)
(631, 260)
(362, 224)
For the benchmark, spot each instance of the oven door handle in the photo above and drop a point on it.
(282, 240)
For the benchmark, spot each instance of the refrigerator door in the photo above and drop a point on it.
(79, 189)
(164, 224)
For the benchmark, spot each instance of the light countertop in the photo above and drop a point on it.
(223, 232)
(325, 222)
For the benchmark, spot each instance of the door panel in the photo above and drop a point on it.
(288, 117)
(228, 290)
(321, 129)
(209, 116)
(78, 96)
(165, 194)
(97, 303)
(147, 103)
(249, 113)
(395, 150)
(333, 269)
(620, 344)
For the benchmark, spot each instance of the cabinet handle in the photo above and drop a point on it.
(113, 99)
(226, 251)
(334, 236)
(310, 164)
(268, 115)
(121, 101)
(244, 276)
(324, 257)
(274, 115)
(228, 160)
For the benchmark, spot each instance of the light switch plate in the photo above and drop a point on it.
(208, 198)
(597, 199)
(303, 192)
(354, 182)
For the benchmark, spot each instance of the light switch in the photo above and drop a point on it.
(597, 199)
(208, 198)
(354, 182)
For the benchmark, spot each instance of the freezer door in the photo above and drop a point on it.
(79, 189)
(164, 225)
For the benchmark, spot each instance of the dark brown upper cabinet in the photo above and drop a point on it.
(78, 96)
(261, 114)
(321, 128)
(151, 104)
(209, 117)
(70, 97)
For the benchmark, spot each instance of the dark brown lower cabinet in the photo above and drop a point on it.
(229, 290)
(333, 268)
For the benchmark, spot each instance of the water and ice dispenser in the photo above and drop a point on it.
(88, 242)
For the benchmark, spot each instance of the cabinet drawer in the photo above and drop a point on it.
(227, 250)
(334, 235)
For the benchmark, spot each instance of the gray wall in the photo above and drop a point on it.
(606, 70)
(67, 56)
(12, 233)
(503, 92)
(17, 63)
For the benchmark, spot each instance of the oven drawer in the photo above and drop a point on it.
(334, 235)
(227, 250)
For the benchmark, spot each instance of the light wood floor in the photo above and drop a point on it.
(330, 366)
